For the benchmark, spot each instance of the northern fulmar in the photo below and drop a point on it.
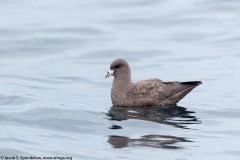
(151, 92)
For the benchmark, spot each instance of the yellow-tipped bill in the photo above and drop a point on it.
(109, 73)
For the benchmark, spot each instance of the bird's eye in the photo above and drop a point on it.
(117, 66)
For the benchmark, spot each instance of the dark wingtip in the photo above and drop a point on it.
(192, 83)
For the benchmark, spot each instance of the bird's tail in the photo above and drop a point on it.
(183, 89)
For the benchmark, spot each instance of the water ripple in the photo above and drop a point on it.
(14, 100)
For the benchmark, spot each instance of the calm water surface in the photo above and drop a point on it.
(55, 101)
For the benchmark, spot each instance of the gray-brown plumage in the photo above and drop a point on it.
(147, 92)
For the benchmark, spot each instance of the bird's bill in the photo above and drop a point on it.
(109, 73)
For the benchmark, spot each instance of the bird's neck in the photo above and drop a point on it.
(122, 83)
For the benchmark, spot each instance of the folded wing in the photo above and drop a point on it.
(156, 92)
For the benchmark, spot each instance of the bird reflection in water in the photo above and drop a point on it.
(154, 141)
(175, 116)
(171, 115)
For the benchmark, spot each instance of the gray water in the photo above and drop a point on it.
(55, 101)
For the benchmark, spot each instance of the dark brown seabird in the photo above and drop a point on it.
(151, 92)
